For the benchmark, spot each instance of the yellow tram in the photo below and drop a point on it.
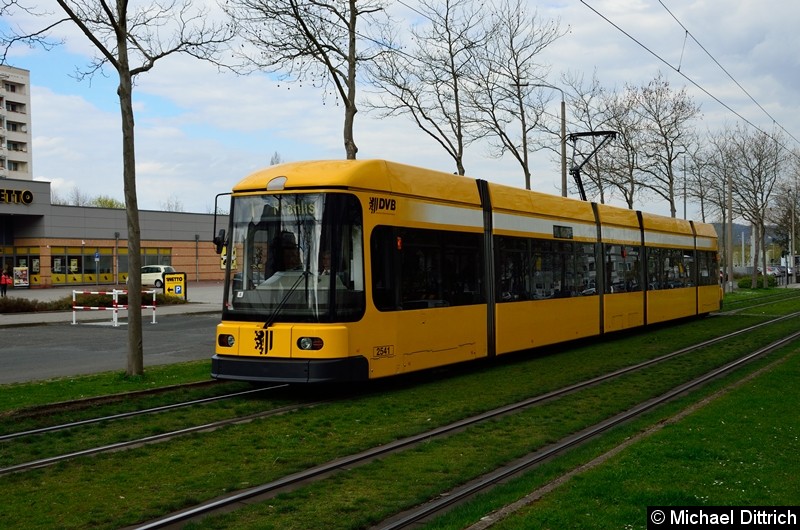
(352, 270)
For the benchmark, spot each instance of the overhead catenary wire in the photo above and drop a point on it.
(698, 86)
(730, 76)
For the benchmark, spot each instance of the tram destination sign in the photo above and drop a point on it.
(562, 232)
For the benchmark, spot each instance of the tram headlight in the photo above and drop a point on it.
(309, 343)
(226, 341)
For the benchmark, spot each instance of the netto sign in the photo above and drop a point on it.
(15, 196)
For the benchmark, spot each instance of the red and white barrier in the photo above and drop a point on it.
(115, 307)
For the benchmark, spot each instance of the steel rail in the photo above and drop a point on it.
(762, 301)
(122, 415)
(44, 462)
(83, 403)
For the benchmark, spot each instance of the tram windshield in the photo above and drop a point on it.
(295, 258)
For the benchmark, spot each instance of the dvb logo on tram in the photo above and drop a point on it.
(379, 205)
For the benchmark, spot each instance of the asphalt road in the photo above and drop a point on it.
(30, 353)
(39, 346)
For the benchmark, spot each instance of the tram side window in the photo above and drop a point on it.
(623, 269)
(535, 269)
(669, 268)
(586, 269)
(513, 269)
(714, 269)
(385, 294)
(707, 267)
(417, 269)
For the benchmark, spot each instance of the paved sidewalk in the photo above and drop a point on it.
(203, 297)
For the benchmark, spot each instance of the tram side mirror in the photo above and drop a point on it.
(219, 241)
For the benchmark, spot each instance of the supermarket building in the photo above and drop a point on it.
(48, 245)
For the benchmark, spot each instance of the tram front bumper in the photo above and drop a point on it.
(286, 370)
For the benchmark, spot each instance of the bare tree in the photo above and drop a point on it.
(504, 98)
(39, 38)
(667, 117)
(131, 40)
(621, 158)
(78, 198)
(706, 180)
(783, 214)
(172, 204)
(588, 113)
(780, 215)
(710, 186)
(792, 184)
(321, 41)
(756, 161)
(57, 198)
(74, 197)
(275, 159)
(427, 79)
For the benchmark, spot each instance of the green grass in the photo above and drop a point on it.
(22, 395)
(740, 450)
(750, 296)
(123, 488)
(439, 465)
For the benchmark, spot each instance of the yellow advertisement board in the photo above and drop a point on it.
(175, 284)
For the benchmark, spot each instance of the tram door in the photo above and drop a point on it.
(433, 283)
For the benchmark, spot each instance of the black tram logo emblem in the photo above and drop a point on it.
(263, 341)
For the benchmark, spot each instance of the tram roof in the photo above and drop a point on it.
(666, 224)
(514, 199)
(392, 177)
(367, 175)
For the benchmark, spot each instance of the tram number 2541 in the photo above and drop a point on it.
(382, 351)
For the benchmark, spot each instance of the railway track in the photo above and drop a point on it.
(44, 462)
(94, 401)
(264, 433)
(137, 442)
(443, 503)
(131, 414)
(287, 483)
(162, 437)
(732, 308)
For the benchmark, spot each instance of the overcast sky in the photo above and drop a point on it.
(199, 131)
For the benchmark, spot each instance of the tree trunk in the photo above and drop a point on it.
(135, 365)
(756, 246)
(350, 108)
(349, 143)
(764, 275)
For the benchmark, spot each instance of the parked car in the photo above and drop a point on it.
(154, 274)
(772, 271)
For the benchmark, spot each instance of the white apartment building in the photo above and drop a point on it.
(16, 161)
